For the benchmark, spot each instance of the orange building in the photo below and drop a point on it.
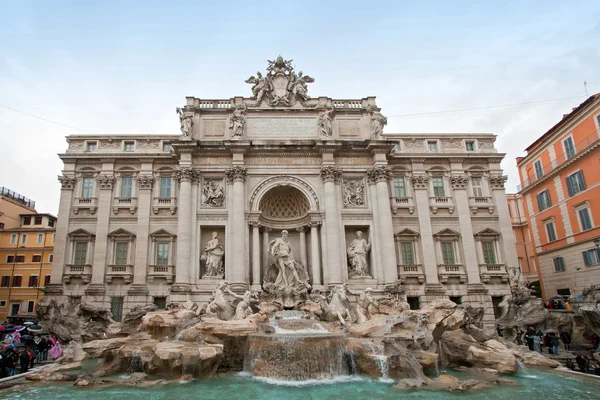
(560, 180)
(26, 255)
(12, 205)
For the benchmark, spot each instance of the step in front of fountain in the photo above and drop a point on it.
(296, 356)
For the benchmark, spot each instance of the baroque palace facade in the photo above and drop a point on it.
(166, 218)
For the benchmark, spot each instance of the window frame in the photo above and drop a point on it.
(539, 173)
(30, 306)
(5, 281)
(439, 179)
(397, 187)
(13, 238)
(590, 220)
(37, 218)
(127, 143)
(488, 247)
(76, 258)
(566, 148)
(164, 179)
(576, 178)
(546, 200)
(469, 142)
(129, 179)
(480, 187)
(404, 245)
(451, 244)
(91, 145)
(436, 147)
(87, 192)
(27, 220)
(34, 281)
(121, 253)
(167, 149)
(546, 225)
(38, 256)
(559, 264)
(589, 254)
(159, 257)
(50, 258)
(17, 279)
(40, 238)
(24, 238)
(10, 258)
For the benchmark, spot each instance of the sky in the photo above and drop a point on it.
(113, 67)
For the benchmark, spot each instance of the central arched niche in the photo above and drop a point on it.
(284, 203)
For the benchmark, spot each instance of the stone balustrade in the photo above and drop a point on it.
(85, 203)
(489, 271)
(402, 202)
(119, 271)
(83, 272)
(129, 203)
(411, 272)
(169, 203)
(481, 202)
(162, 272)
(437, 202)
(447, 271)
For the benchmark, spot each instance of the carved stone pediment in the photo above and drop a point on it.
(81, 233)
(486, 233)
(121, 233)
(447, 233)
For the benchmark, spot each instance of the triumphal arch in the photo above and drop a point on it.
(281, 192)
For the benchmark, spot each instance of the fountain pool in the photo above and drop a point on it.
(535, 385)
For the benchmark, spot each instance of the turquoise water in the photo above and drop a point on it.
(536, 385)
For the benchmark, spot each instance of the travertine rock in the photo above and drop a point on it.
(133, 318)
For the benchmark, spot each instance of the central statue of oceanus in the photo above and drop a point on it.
(286, 279)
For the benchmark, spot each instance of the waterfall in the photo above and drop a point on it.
(136, 364)
(443, 361)
(382, 362)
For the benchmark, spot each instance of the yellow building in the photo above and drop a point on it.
(12, 205)
(26, 254)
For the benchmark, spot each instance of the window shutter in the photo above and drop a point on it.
(586, 259)
(539, 201)
(581, 180)
(570, 187)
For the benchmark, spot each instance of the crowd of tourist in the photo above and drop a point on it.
(22, 346)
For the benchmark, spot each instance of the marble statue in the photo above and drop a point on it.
(357, 256)
(237, 121)
(213, 256)
(297, 85)
(185, 119)
(337, 306)
(212, 193)
(260, 87)
(325, 122)
(244, 308)
(514, 275)
(378, 121)
(354, 193)
(286, 277)
(365, 300)
(219, 305)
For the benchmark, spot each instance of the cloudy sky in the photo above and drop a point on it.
(110, 68)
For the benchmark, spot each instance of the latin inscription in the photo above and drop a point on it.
(281, 127)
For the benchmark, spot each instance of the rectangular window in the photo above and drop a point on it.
(399, 187)
(477, 184)
(162, 253)
(585, 219)
(438, 186)
(539, 170)
(408, 254)
(543, 200)
(53, 237)
(38, 220)
(432, 146)
(13, 239)
(87, 187)
(23, 239)
(165, 187)
(36, 258)
(79, 256)
(2, 303)
(20, 259)
(91, 146)
(413, 302)
(569, 147)
(160, 302)
(121, 253)
(448, 253)
(1, 225)
(116, 307)
(591, 257)
(167, 147)
(46, 280)
(489, 253)
(33, 281)
(575, 183)
(27, 220)
(51, 258)
(30, 306)
(126, 186)
(559, 264)
(40, 238)
(5, 281)
(17, 280)
(128, 147)
(470, 145)
(50, 222)
(10, 259)
(550, 231)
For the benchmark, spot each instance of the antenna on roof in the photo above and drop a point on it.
(585, 88)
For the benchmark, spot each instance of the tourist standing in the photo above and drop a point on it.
(42, 347)
(595, 341)
(24, 358)
(529, 338)
(566, 339)
(554, 343)
(537, 341)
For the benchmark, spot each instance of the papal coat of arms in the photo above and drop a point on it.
(281, 86)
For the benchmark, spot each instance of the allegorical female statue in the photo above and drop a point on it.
(357, 256)
(213, 255)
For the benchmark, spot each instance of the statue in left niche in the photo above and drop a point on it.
(237, 121)
(186, 121)
(213, 257)
(357, 256)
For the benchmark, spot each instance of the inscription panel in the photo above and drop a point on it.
(281, 127)
(349, 127)
(213, 127)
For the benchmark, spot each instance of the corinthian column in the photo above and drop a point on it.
(184, 176)
(507, 235)
(330, 175)
(237, 273)
(420, 186)
(381, 175)
(303, 257)
(314, 253)
(140, 269)
(105, 184)
(255, 255)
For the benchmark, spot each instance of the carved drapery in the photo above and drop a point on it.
(380, 173)
(459, 181)
(420, 181)
(105, 181)
(330, 174)
(236, 173)
(67, 182)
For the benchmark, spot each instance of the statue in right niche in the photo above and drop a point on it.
(357, 256)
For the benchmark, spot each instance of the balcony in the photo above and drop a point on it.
(129, 203)
(481, 202)
(489, 271)
(447, 271)
(436, 203)
(169, 203)
(411, 272)
(83, 272)
(85, 203)
(162, 272)
(119, 271)
(402, 202)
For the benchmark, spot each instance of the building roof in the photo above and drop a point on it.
(40, 229)
(575, 112)
(36, 214)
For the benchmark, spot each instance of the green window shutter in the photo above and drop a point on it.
(126, 186)
(162, 254)
(121, 253)
(408, 257)
(489, 255)
(448, 252)
(80, 253)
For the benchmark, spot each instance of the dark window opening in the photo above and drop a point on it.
(496, 300)
(160, 302)
(116, 307)
(38, 220)
(27, 220)
(456, 299)
(414, 303)
(17, 280)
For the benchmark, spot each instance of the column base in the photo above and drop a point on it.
(238, 286)
(362, 282)
(138, 290)
(181, 288)
(95, 289)
(435, 289)
(256, 287)
(477, 288)
(53, 289)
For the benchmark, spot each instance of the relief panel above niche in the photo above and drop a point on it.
(349, 127)
(213, 127)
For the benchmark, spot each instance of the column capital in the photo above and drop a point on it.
(420, 181)
(301, 229)
(459, 181)
(497, 181)
(380, 173)
(254, 224)
(266, 229)
(314, 224)
(186, 174)
(67, 182)
(236, 173)
(330, 173)
(106, 181)
(145, 182)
